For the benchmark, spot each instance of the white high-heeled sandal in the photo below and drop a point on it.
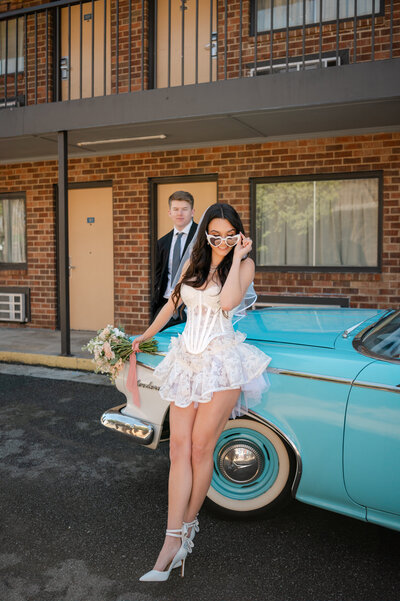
(194, 525)
(177, 561)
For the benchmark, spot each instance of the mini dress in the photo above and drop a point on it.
(210, 356)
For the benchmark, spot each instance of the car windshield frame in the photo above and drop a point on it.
(359, 342)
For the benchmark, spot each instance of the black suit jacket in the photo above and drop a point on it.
(161, 271)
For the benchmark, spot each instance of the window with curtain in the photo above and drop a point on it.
(308, 11)
(317, 224)
(12, 229)
(11, 46)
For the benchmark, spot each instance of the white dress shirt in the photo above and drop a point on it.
(185, 233)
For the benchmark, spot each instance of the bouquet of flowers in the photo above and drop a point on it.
(112, 348)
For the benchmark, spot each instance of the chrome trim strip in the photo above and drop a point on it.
(291, 444)
(141, 431)
(360, 384)
(300, 374)
(373, 386)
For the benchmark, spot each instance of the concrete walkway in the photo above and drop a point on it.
(37, 346)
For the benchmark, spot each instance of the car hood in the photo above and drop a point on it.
(311, 327)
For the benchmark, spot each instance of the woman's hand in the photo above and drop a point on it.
(240, 275)
(243, 247)
(136, 342)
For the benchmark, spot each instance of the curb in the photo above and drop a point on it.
(48, 360)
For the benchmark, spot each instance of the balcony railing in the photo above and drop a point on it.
(71, 49)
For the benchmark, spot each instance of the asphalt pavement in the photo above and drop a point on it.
(83, 513)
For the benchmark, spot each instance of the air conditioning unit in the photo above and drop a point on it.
(13, 307)
(298, 65)
(6, 103)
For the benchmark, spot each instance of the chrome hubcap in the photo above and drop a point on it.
(240, 461)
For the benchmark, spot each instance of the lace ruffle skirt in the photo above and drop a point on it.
(227, 363)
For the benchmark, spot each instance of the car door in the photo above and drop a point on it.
(372, 438)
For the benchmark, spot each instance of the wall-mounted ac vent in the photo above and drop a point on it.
(6, 103)
(295, 66)
(12, 307)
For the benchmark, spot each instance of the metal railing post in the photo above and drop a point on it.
(62, 227)
(240, 37)
(6, 66)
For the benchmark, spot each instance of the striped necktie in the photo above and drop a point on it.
(176, 257)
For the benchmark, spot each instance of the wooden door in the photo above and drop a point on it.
(91, 258)
(179, 27)
(78, 69)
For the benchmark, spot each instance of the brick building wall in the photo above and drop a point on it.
(234, 166)
(371, 42)
(123, 81)
(36, 89)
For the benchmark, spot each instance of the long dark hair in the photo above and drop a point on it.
(200, 260)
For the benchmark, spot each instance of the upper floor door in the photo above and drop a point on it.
(186, 42)
(85, 66)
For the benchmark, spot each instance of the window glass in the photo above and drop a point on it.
(384, 338)
(12, 230)
(320, 223)
(10, 47)
(312, 11)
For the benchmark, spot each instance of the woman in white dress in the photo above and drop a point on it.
(208, 374)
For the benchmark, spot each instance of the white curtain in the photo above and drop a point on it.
(330, 223)
(312, 10)
(12, 230)
(18, 231)
(4, 230)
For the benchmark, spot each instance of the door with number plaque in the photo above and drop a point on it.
(91, 260)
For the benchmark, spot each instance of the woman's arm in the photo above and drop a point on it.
(161, 320)
(240, 276)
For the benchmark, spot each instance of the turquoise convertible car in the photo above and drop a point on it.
(327, 431)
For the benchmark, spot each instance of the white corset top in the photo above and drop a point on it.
(205, 319)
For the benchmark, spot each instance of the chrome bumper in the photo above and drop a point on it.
(142, 432)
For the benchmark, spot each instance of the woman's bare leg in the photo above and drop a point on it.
(180, 477)
(210, 421)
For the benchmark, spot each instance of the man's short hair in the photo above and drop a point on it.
(181, 195)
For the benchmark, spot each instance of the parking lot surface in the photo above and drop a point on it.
(83, 513)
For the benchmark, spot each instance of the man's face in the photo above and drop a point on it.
(181, 213)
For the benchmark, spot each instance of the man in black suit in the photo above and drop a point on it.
(170, 248)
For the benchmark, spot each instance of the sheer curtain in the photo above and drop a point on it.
(346, 224)
(4, 230)
(311, 7)
(18, 231)
(319, 223)
(12, 230)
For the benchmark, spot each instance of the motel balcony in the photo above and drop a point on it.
(129, 75)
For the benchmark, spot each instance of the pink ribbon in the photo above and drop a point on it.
(131, 382)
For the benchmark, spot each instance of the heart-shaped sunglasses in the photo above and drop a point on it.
(218, 240)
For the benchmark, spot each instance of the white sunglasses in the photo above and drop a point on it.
(218, 240)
